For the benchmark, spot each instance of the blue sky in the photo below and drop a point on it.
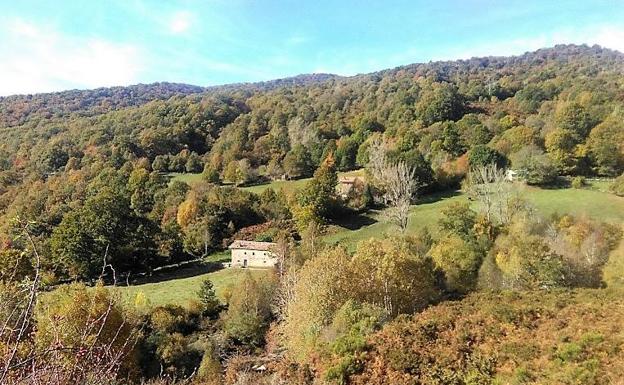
(51, 45)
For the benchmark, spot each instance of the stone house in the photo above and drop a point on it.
(252, 254)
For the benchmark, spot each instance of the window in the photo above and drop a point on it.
(244, 252)
(253, 253)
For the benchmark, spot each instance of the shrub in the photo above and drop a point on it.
(618, 186)
(578, 182)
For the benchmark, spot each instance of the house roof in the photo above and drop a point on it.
(348, 179)
(252, 245)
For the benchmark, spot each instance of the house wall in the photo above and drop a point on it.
(255, 258)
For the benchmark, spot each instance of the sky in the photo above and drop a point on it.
(53, 45)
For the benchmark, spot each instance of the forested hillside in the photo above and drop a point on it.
(553, 111)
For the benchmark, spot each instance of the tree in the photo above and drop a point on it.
(442, 102)
(316, 200)
(15, 265)
(534, 166)
(460, 262)
(561, 145)
(392, 275)
(451, 140)
(210, 174)
(400, 185)
(105, 227)
(459, 219)
(297, 162)
(488, 186)
(481, 155)
(193, 163)
(606, 147)
(574, 117)
(617, 187)
(321, 288)
(160, 163)
(397, 181)
(82, 330)
(526, 261)
(208, 298)
(249, 311)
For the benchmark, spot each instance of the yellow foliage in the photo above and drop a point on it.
(188, 210)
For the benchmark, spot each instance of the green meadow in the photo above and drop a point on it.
(592, 201)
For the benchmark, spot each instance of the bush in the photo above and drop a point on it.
(578, 182)
(618, 186)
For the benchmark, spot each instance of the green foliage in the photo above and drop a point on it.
(249, 311)
(481, 155)
(459, 260)
(104, 229)
(606, 147)
(441, 102)
(578, 182)
(15, 265)
(318, 198)
(208, 297)
(459, 219)
(534, 166)
(617, 187)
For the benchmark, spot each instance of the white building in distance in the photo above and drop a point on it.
(253, 254)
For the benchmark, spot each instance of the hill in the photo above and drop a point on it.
(108, 149)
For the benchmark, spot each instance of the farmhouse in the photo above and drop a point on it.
(252, 254)
(346, 184)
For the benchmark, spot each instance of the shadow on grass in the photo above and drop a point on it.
(176, 272)
(438, 196)
(354, 221)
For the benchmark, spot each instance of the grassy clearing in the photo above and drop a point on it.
(180, 291)
(185, 177)
(289, 186)
(579, 202)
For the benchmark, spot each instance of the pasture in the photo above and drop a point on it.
(592, 202)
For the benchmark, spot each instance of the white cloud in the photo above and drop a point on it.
(180, 22)
(41, 59)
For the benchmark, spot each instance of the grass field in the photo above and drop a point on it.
(180, 291)
(592, 202)
(288, 186)
(588, 202)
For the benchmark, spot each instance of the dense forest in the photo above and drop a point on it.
(85, 181)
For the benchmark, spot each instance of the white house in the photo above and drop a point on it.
(253, 254)
(511, 175)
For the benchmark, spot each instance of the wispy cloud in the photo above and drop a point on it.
(41, 59)
(297, 39)
(181, 22)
